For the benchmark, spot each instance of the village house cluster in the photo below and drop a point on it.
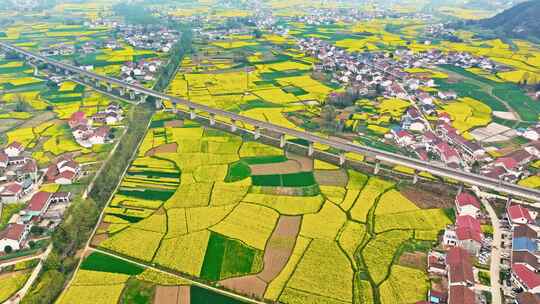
(19, 174)
(377, 73)
(523, 228)
(160, 39)
(317, 16)
(96, 129)
(461, 244)
(513, 166)
(143, 71)
(20, 178)
(57, 49)
(440, 31)
(464, 247)
(372, 74)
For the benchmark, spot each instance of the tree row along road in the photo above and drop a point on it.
(379, 155)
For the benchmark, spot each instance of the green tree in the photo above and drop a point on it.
(328, 116)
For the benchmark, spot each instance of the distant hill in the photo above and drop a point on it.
(520, 21)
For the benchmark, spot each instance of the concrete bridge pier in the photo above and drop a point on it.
(415, 177)
(282, 141)
(257, 133)
(233, 125)
(36, 71)
(109, 87)
(377, 167)
(122, 91)
(66, 72)
(159, 104)
(192, 114)
(311, 150)
(342, 158)
(132, 95)
(143, 99)
(212, 119)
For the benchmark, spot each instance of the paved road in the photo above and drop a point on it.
(380, 155)
(495, 267)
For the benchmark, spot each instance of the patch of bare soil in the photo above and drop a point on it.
(277, 253)
(99, 238)
(39, 119)
(167, 295)
(416, 260)
(251, 286)
(70, 155)
(426, 200)
(174, 123)
(103, 226)
(166, 148)
(287, 167)
(306, 163)
(331, 177)
(280, 246)
(184, 295)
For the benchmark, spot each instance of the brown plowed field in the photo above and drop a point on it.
(166, 148)
(278, 250)
(167, 295)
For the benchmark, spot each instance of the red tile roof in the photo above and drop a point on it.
(17, 145)
(528, 277)
(460, 265)
(3, 157)
(71, 164)
(403, 133)
(468, 228)
(77, 116)
(39, 201)
(465, 198)
(430, 136)
(508, 162)
(13, 232)
(528, 298)
(447, 128)
(12, 188)
(422, 153)
(52, 172)
(496, 172)
(524, 231)
(76, 119)
(520, 156)
(461, 295)
(517, 212)
(67, 175)
(102, 132)
(447, 151)
(525, 257)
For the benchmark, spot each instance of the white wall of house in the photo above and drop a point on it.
(8, 242)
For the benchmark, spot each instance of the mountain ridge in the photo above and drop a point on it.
(519, 21)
